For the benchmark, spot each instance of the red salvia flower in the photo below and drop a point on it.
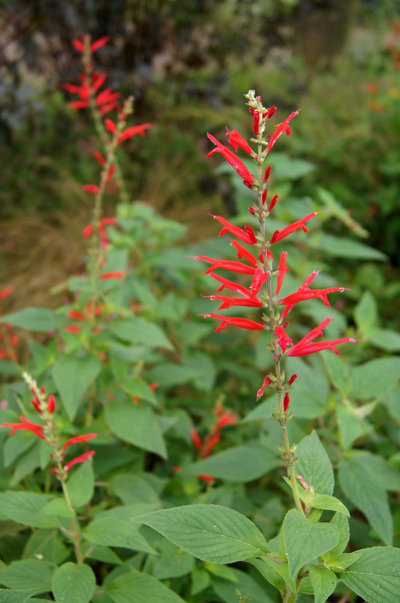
(306, 294)
(236, 141)
(79, 440)
(87, 231)
(76, 315)
(132, 131)
(292, 379)
(273, 203)
(106, 96)
(79, 459)
(110, 126)
(237, 267)
(72, 329)
(243, 253)
(25, 425)
(279, 235)
(281, 271)
(98, 80)
(196, 439)
(284, 340)
(51, 404)
(243, 323)
(206, 478)
(78, 45)
(267, 174)
(267, 381)
(226, 419)
(260, 277)
(119, 275)
(212, 442)
(99, 43)
(232, 159)
(283, 127)
(6, 292)
(286, 402)
(91, 188)
(225, 284)
(229, 302)
(99, 157)
(246, 236)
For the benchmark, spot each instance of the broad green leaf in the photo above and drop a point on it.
(366, 312)
(57, 507)
(80, 484)
(375, 576)
(113, 531)
(172, 563)
(139, 330)
(26, 508)
(200, 580)
(16, 596)
(323, 581)
(135, 587)
(246, 586)
(100, 553)
(138, 388)
(133, 489)
(342, 247)
(17, 445)
(341, 562)
(367, 494)
(351, 427)
(209, 532)
(384, 339)
(33, 319)
(72, 377)
(305, 541)
(221, 571)
(386, 475)
(341, 523)
(72, 582)
(374, 378)
(137, 425)
(26, 464)
(238, 464)
(330, 503)
(314, 464)
(337, 370)
(45, 542)
(309, 393)
(27, 574)
(129, 511)
(267, 569)
(169, 374)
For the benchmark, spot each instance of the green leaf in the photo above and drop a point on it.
(330, 503)
(72, 377)
(26, 464)
(366, 312)
(33, 319)
(72, 582)
(172, 563)
(238, 464)
(341, 562)
(266, 567)
(139, 330)
(375, 576)
(17, 445)
(367, 494)
(351, 427)
(323, 581)
(374, 378)
(200, 580)
(135, 587)
(44, 542)
(26, 508)
(337, 370)
(209, 532)
(305, 541)
(16, 596)
(384, 339)
(28, 574)
(139, 388)
(246, 585)
(341, 523)
(169, 374)
(137, 425)
(314, 464)
(341, 247)
(133, 489)
(113, 531)
(57, 507)
(80, 485)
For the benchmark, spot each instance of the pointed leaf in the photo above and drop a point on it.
(314, 465)
(72, 582)
(305, 541)
(72, 377)
(114, 531)
(136, 587)
(80, 485)
(330, 503)
(16, 596)
(26, 508)
(139, 330)
(341, 523)
(27, 574)
(209, 532)
(33, 319)
(323, 581)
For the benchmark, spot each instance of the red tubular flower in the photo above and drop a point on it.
(76, 315)
(237, 267)
(35, 404)
(79, 440)
(243, 323)
(51, 404)
(206, 478)
(107, 108)
(279, 235)
(283, 339)
(252, 211)
(312, 348)
(283, 127)
(131, 132)
(271, 112)
(196, 439)
(119, 275)
(72, 329)
(25, 425)
(231, 158)
(110, 126)
(76, 105)
(236, 141)
(256, 120)
(226, 419)
(304, 286)
(99, 157)
(79, 459)
(306, 294)
(91, 188)
(225, 284)
(98, 80)
(292, 379)
(87, 231)
(99, 43)
(260, 277)
(243, 253)
(267, 381)
(267, 174)
(264, 196)
(6, 292)
(246, 236)
(286, 402)
(78, 45)
(273, 203)
(303, 482)
(212, 442)
(229, 302)
(106, 96)
(107, 222)
(281, 271)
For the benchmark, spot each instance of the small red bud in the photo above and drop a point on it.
(273, 203)
(267, 174)
(292, 379)
(51, 404)
(264, 196)
(252, 211)
(286, 402)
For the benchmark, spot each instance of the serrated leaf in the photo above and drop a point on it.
(44, 542)
(72, 582)
(135, 587)
(28, 574)
(33, 319)
(341, 523)
(323, 581)
(246, 585)
(341, 562)
(305, 541)
(139, 330)
(367, 494)
(314, 464)
(374, 378)
(329, 503)
(72, 377)
(375, 576)
(57, 507)
(16, 596)
(113, 531)
(338, 372)
(209, 532)
(137, 425)
(80, 485)
(238, 464)
(351, 427)
(26, 508)
(266, 567)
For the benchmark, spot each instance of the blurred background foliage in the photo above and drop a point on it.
(188, 64)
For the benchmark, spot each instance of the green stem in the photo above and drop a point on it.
(74, 528)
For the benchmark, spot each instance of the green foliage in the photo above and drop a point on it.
(72, 582)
